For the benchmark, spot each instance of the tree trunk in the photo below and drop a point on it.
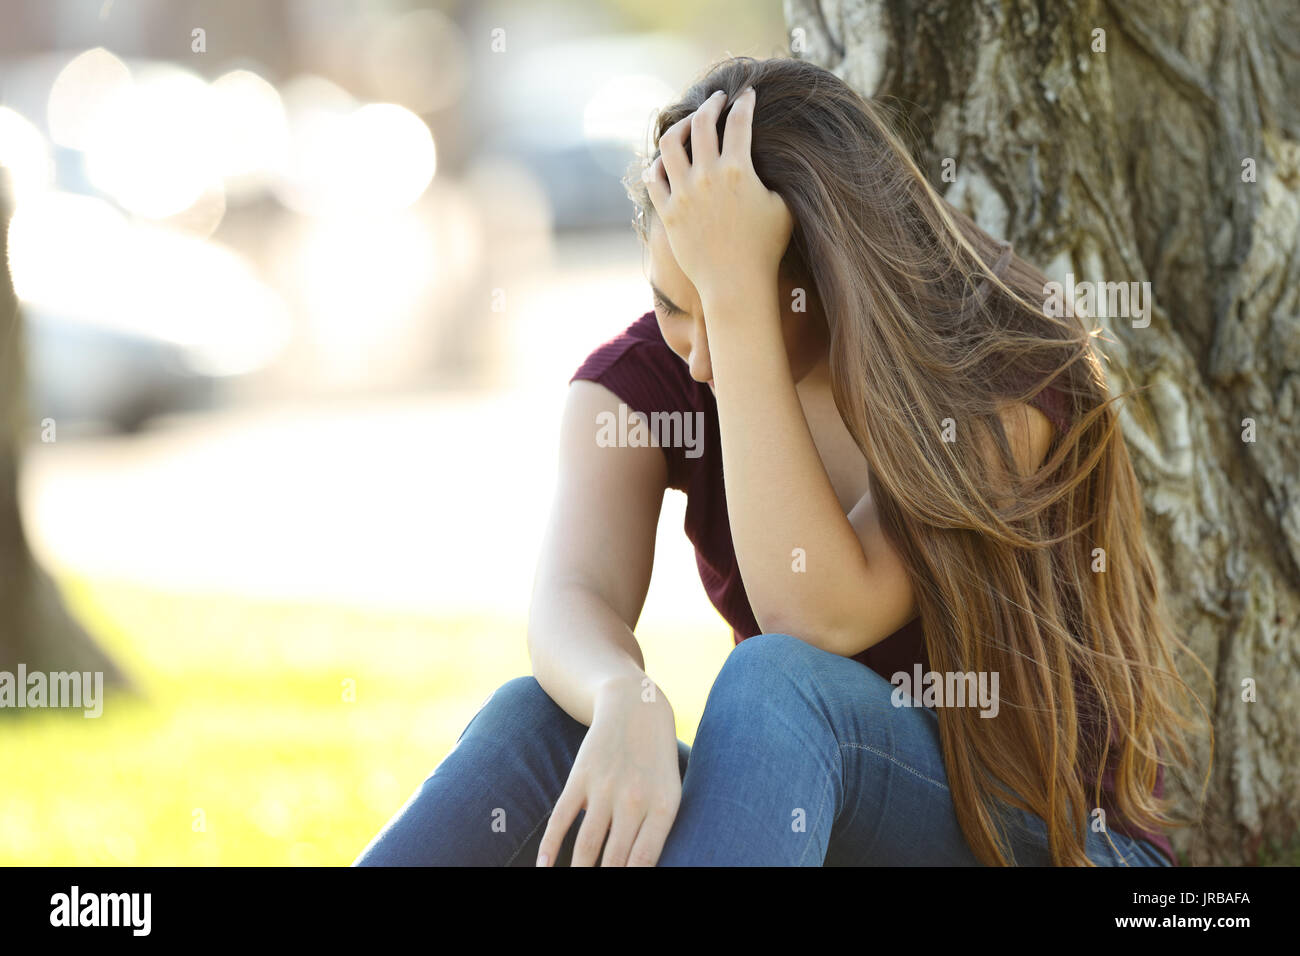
(35, 627)
(1155, 142)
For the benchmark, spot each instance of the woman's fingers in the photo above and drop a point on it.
(650, 838)
(557, 828)
(739, 129)
(656, 184)
(701, 128)
(621, 835)
(672, 151)
(704, 130)
(591, 835)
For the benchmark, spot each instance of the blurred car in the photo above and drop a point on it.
(80, 373)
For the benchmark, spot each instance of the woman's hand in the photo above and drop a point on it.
(626, 777)
(727, 230)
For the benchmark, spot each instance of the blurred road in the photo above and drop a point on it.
(433, 503)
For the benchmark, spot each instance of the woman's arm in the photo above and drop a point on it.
(594, 568)
(728, 233)
(591, 583)
(854, 590)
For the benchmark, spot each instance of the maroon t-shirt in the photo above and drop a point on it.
(638, 366)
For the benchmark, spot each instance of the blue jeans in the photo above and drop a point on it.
(801, 759)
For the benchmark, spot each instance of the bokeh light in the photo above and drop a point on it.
(252, 141)
(156, 150)
(358, 281)
(347, 159)
(78, 101)
(146, 280)
(24, 154)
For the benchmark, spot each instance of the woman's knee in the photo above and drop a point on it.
(771, 663)
(519, 705)
(767, 672)
(782, 674)
(518, 693)
(772, 650)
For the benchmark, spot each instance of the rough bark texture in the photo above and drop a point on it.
(35, 627)
(1127, 165)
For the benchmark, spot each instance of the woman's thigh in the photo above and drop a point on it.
(488, 801)
(797, 731)
(903, 812)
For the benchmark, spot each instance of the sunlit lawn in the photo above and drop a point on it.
(244, 748)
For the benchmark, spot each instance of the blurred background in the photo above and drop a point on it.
(302, 283)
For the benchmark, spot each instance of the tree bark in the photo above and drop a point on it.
(1163, 149)
(35, 626)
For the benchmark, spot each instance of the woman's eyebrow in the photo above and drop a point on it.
(666, 302)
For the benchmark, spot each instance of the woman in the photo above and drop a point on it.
(907, 466)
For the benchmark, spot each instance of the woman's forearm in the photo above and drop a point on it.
(581, 649)
(779, 497)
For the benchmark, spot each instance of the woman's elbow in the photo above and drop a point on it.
(821, 631)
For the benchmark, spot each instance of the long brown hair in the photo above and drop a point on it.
(935, 325)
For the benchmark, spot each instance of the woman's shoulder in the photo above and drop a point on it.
(637, 347)
(1030, 432)
(638, 365)
(645, 374)
(1033, 425)
(614, 349)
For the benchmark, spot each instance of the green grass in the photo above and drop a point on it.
(242, 750)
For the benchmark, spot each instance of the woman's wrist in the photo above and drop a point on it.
(626, 690)
(741, 294)
(746, 343)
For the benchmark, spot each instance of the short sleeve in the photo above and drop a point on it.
(1054, 403)
(1051, 400)
(638, 366)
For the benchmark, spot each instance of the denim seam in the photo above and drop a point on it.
(514, 856)
(894, 760)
